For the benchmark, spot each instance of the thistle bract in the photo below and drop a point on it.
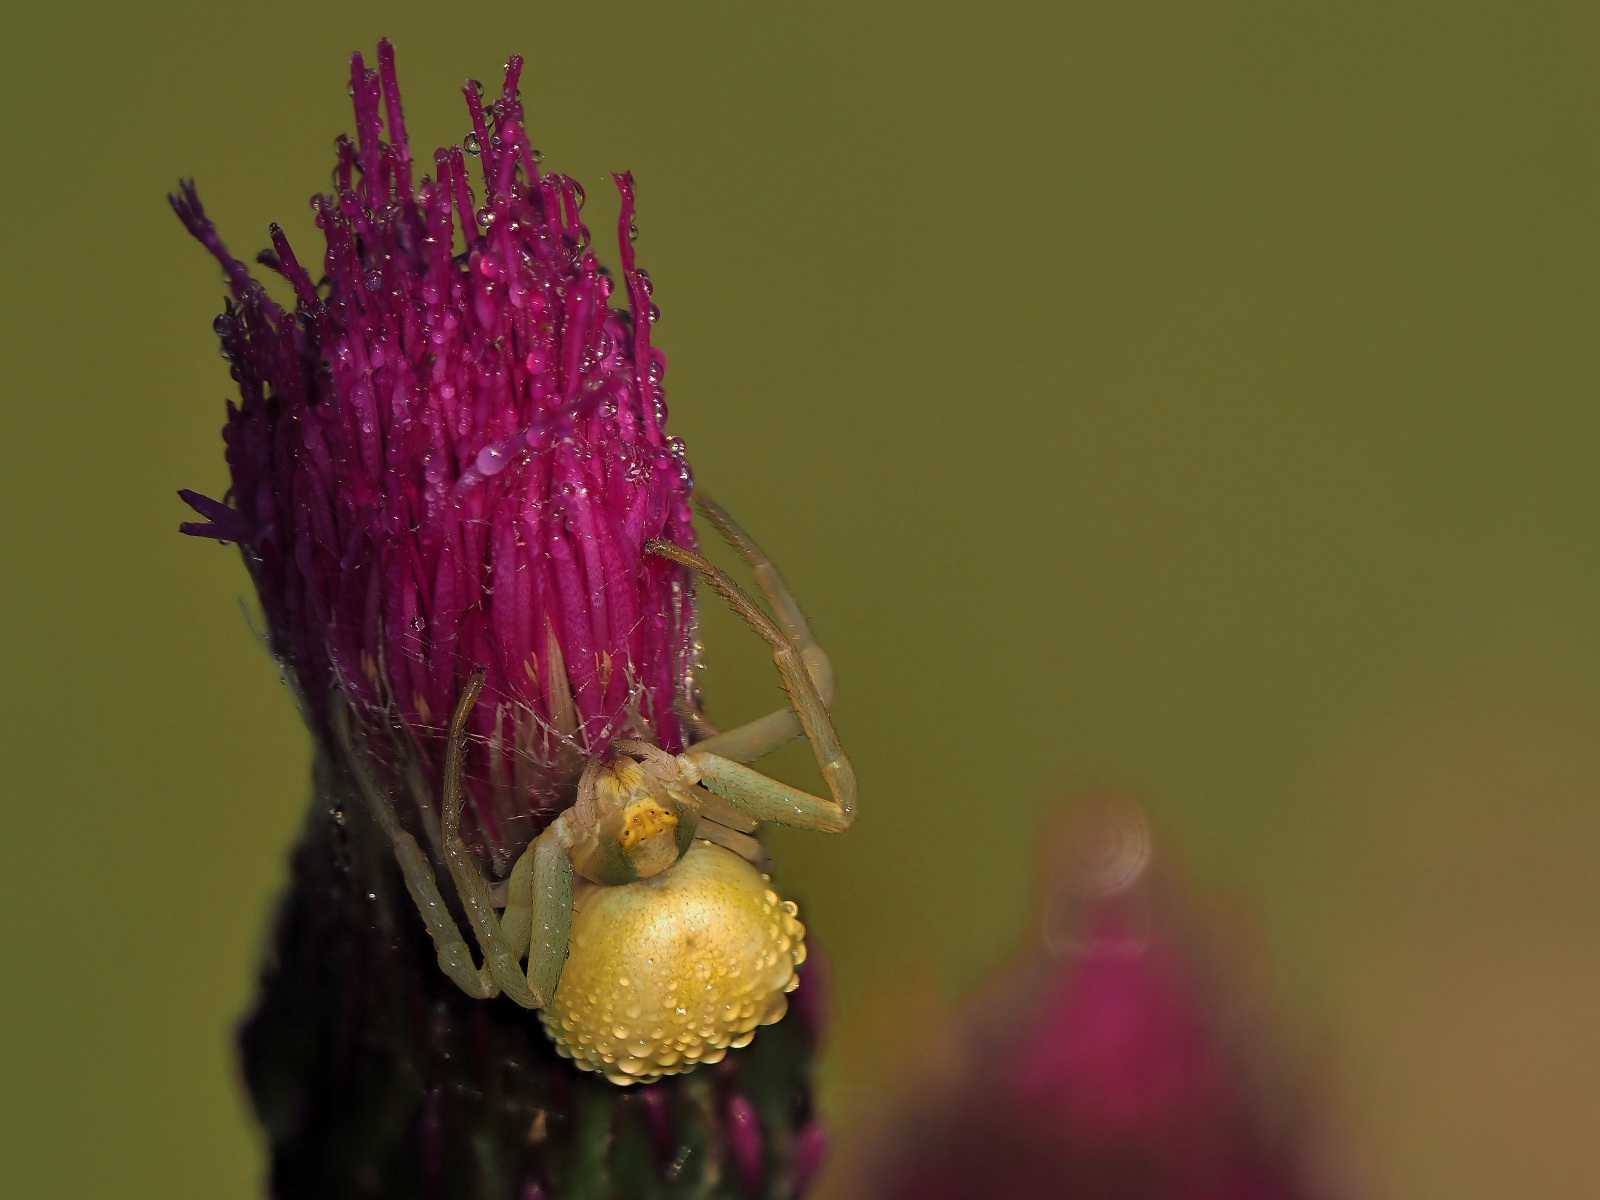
(450, 459)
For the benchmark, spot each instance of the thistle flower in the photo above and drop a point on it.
(443, 462)
(446, 461)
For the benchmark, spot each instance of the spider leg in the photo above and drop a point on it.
(768, 799)
(776, 591)
(454, 957)
(746, 847)
(539, 891)
(744, 787)
(538, 911)
(760, 737)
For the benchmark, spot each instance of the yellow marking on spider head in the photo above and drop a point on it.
(649, 837)
(644, 819)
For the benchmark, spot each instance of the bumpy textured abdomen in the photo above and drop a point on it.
(672, 971)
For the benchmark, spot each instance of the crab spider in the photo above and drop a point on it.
(680, 947)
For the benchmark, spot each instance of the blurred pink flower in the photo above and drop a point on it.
(1114, 1062)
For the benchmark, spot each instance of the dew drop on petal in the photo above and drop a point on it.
(491, 460)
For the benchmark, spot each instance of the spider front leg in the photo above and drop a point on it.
(455, 960)
(539, 896)
(745, 788)
(758, 738)
(539, 907)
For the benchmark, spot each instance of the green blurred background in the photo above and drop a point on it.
(1198, 399)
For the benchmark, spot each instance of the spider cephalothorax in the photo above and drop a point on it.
(651, 940)
(634, 816)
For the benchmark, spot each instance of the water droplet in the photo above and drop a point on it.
(491, 460)
(633, 232)
(471, 144)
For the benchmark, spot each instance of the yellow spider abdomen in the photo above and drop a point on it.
(672, 971)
